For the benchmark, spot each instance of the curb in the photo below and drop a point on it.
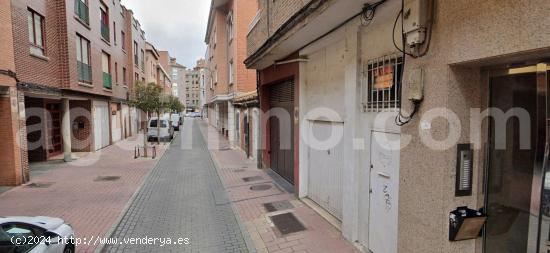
(130, 201)
(244, 230)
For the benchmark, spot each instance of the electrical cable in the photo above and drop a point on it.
(400, 119)
(10, 74)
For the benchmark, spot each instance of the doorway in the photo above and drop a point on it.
(384, 190)
(516, 163)
(281, 96)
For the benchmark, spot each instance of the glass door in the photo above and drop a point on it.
(515, 168)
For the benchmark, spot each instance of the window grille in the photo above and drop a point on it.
(382, 81)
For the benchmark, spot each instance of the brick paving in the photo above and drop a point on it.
(320, 236)
(90, 206)
(182, 198)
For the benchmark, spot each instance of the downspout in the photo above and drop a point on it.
(259, 151)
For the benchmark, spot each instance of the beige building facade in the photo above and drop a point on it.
(392, 188)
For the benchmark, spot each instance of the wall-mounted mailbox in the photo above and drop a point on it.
(465, 224)
(464, 170)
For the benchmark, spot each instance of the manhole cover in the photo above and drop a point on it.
(260, 187)
(278, 206)
(250, 179)
(40, 185)
(287, 223)
(106, 178)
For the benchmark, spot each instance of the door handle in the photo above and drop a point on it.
(382, 174)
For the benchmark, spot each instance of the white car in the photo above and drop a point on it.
(36, 235)
(166, 131)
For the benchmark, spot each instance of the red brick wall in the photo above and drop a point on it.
(81, 125)
(11, 171)
(244, 12)
(45, 71)
(6, 43)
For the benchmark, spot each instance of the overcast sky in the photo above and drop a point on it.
(177, 26)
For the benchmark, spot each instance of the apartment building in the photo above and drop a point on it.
(178, 79)
(154, 71)
(65, 79)
(389, 108)
(226, 39)
(193, 92)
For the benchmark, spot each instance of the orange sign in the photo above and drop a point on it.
(383, 78)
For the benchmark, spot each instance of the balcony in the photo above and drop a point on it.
(105, 32)
(84, 72)
(81, 11)
(107, 82)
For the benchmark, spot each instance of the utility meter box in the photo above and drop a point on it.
(415, 20)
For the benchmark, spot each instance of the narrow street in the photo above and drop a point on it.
(183, 197)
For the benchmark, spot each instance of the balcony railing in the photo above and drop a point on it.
(81, 10)
(107, 82)
(105, 32)
(84, 72)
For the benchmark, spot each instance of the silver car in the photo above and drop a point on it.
(35, 235)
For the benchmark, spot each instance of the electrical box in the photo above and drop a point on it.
(415, 84)
(415, 20)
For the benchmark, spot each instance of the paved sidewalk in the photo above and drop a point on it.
(89, 193)
(182, 198)
(233, 166)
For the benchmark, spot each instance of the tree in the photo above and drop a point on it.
(146, 97)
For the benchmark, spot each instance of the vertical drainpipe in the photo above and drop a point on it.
(260, 129)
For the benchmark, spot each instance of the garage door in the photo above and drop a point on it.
(125, 122)
(134, 121)
(282, 157)
(325, 167)
(101, 124)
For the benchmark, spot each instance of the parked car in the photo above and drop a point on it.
(177, 121)
(166, 132)
(196, 115)
(36, 235)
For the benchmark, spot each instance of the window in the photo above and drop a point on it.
(231, 76)
(81, 10)
(114, 32)
(12, 232)
(83, 59)
(106, 67)
(116, 73)
(230, 26)
(383, 80)
(136, 76)
(143, 60)
(123, 38)
(136, 56)
(124, 76)
(36, 32)
(104, 22)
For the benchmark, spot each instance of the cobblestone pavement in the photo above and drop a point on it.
(73, 192)
(320, 236)
(183, 197)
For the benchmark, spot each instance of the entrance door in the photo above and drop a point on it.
(101, 124)
(54, 142)
(282, 158)
(326, 169)
(384, 189)
(516, 157)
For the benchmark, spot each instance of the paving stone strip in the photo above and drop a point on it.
(182, 198)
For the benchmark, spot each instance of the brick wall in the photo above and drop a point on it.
(6, 43)
(81, 125)
(244, 13)
(11, 171)
(273, 14)
(29, 68)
